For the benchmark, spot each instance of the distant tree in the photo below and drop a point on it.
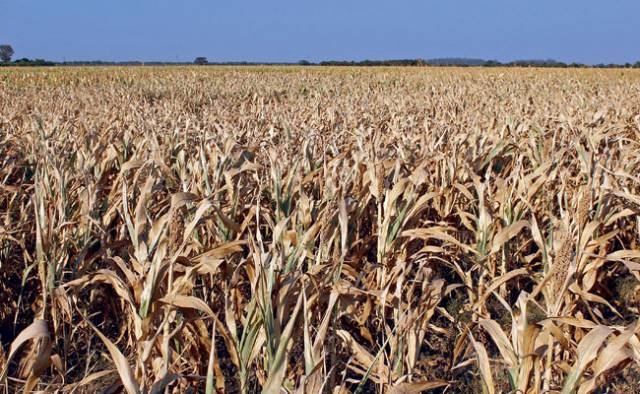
(6, 51)
(201, 60)
(637, 64)
(304, 63)
(492, 63)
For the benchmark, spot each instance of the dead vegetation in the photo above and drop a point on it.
(306, 231)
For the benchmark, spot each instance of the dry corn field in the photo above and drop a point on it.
(319, 230)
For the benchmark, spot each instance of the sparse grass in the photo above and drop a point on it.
(284, 229)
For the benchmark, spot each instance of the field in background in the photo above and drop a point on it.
(247, 229)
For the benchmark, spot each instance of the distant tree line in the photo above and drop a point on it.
(6, 53)
(465, 62)
(32, 62)
(390, 62)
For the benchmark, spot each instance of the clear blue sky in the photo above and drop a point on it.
(588, 31)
